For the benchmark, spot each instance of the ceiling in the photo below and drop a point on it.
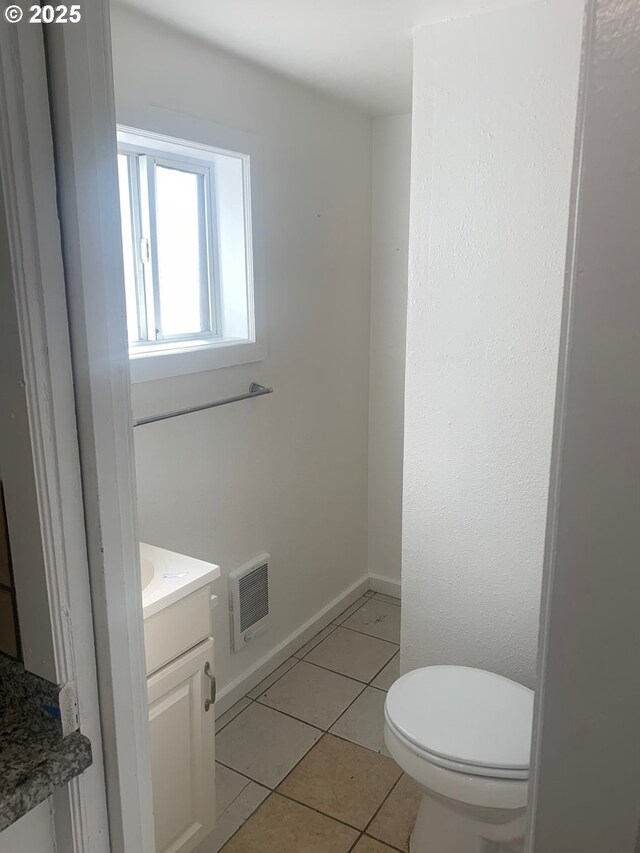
(356, 50)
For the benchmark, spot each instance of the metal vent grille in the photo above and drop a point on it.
(253, 594)
(249, 601)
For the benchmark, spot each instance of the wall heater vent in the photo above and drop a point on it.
(249, 601)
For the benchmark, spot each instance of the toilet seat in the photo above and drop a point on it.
(461, 787)
(463, 720)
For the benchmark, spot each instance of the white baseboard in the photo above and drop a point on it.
(385, 585)
(230, 694)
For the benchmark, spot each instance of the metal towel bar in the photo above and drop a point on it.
(255, 390)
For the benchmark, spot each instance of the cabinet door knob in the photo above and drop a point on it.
(212, 679)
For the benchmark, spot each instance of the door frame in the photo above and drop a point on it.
(81, 610)
(81, 91)
(41, 470)
(585, 766)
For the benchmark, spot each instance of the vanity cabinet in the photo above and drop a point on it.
(182, 750)
(177, 602)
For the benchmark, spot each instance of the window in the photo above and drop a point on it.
(188, 254)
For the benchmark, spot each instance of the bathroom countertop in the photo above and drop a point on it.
(168, 576)
(35, 756)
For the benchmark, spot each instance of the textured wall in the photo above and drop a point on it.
(389, 248)
(493, 126)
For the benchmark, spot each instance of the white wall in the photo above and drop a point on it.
(493, 127)
(34, 831)
(586, 784)
(287, 473)
(389, 248)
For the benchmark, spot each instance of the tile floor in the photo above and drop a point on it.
(301, 762)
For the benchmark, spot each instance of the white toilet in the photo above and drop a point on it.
(464, 735)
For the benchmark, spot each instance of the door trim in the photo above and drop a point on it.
(42, 470)
(80, 76)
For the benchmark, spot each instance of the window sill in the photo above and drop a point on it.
(166, 362)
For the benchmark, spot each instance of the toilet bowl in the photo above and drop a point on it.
(464, 736)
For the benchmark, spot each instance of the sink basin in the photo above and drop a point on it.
(146, 571)
(168, 577)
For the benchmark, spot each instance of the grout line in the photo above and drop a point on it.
(299, 760)
(359, 745)
(371, 684)
(326, 669)
(297, 661)
(364, 684)
(244, 775)
(306, 752)
(239, 794)
(292, 716)
(342, 715)
(235, 716)
(388, 599)
(248, 818)
(353, 846)
(324, 733)
(276, 790)
(372, 636)
(293, 799)
(331, 625)
(251, 699)
(375, 815)
(386, 843)
(368, 683)
(313, 725)
(335, 672)
(345, 711)
(289, 797)
(317, 811)
(346, 614)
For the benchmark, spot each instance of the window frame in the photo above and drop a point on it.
(142, 164)
(179, 355)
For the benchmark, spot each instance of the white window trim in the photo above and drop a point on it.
(178, 155)
(165, 359)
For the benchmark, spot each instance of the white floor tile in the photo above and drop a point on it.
(352, 654)
(263, 744)
(232, 818)
(233, 711)
(389, 598)
(389, 674)
(352, 609)
(229, 786)
(273, 677)
(312, 694)
(313, 642)
(376, 618)
(363, 722)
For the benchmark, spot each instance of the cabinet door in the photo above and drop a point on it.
(182, 751)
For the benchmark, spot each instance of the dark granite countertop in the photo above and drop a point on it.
(35, 756)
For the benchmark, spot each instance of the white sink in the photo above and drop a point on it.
(146, 570)
(167, 577)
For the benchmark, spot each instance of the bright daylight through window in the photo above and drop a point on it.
(187, 243)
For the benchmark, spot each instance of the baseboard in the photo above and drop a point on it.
(236, 689)
(385, 585)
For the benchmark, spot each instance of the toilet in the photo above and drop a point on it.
(464, 736)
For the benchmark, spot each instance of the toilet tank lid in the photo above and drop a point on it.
(467, 715)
